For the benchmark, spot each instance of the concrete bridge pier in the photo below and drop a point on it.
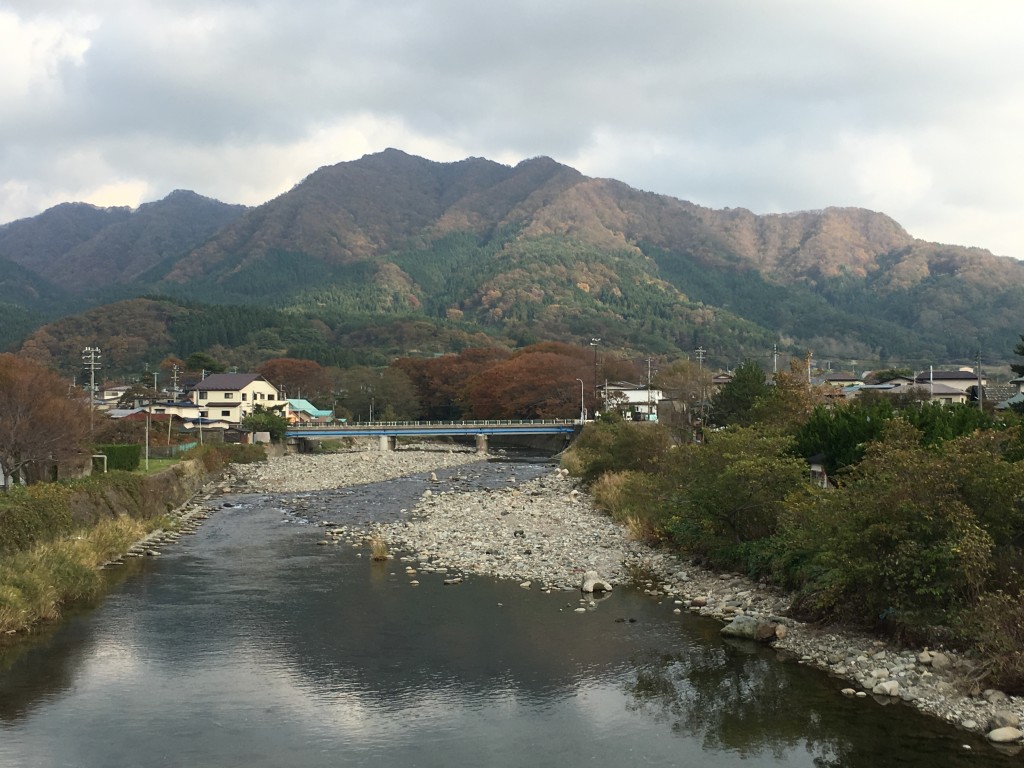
(388, 442)
(481, 443)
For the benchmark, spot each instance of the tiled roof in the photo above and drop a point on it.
(948, 376)
(227, 382)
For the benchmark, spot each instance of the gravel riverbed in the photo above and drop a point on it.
(546, 534)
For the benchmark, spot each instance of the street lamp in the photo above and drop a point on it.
(583, 407)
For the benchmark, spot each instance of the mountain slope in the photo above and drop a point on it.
(83, 249)
(538, 250)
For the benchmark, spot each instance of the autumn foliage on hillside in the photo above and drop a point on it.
(546, 380)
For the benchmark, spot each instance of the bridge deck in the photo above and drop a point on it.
(437, 428)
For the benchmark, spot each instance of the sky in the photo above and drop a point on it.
(914, 108)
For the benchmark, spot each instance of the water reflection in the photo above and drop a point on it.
(738, 697)
(249, 645)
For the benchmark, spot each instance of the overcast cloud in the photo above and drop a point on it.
(915, 109)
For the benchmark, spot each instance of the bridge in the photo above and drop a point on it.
(390, 431)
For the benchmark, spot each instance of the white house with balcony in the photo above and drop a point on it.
(230, 397)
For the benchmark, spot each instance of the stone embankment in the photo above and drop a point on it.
(546, 533)
(185, 521)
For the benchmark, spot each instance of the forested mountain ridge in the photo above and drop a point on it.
(540, 251)
(83, 249)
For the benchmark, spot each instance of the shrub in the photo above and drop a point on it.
(614, 445)
(730, 492)
(30, 514)
(214, 456)
(636, 499)
(124, 457)
(896, 544)
(996, 624)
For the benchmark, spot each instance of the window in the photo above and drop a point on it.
(203, 414)
(244, 397)
(159, 410)
(203, 394)
(225, 413)
(229, 395)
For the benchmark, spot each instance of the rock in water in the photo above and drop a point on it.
(749, 628)
(592, 582)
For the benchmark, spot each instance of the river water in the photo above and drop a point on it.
(247, 644)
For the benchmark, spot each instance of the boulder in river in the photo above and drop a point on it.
(750, 628)
(592, 582)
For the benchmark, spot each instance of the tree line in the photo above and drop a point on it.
(919, 533)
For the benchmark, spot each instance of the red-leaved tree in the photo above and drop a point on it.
(39, 420)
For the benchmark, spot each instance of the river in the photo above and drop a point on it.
(247, 644)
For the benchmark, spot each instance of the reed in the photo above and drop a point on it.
(379, 548)
(37, 583)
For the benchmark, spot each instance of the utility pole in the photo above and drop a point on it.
(981, 389)
(775, 359)
(90, 356)
(174, 382)
(700, 352)
(594, 343)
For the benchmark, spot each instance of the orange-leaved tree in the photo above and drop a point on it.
(529, 385)
(40, 421)
(442, 382)
(298, 378)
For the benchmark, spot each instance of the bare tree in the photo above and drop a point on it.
(40, 421)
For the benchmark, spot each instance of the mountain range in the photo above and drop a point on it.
(371, 258)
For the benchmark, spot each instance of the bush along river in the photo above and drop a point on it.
(271, 638)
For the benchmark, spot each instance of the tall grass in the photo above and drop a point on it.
(379, 547)
(37, 583)
(633, 499)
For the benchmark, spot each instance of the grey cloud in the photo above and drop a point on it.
(728, 103)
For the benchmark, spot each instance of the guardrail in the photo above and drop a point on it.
(438, 424)
(438, 428)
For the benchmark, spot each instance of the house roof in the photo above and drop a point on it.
(895, 381)
(938, 388)
(121, 413)
(999, 392)
(948, 376)
(304, 406)
(226, 382)
(1017, 399)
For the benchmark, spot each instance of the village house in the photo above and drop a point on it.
(631, 400)
(964, 379)
(222, 400)
(230, 397)
(304, 412)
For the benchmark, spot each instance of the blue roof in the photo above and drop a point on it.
(307, 407)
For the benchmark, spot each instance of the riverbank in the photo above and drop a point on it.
(296, 473)
(546, 534)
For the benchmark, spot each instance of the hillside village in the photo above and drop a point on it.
(217, 404)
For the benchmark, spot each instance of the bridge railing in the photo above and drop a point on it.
(438, 424)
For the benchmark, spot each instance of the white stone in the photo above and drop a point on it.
(887, 688)
(1005, 735)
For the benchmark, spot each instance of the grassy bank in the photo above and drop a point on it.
(54, 536)
(36, 583)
